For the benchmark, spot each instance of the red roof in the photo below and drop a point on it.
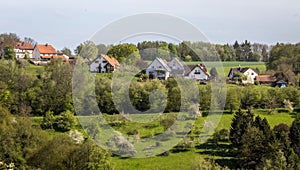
(23, 46)
(46, 49)
(112, 61)
(265, 78)
(54, 57)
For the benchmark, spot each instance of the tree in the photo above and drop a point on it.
(173, 50)
(213, 73)
(255, 56)
(66, 51)
(87, 50)
(233, 101)
(264, 126)
(295, 135)
(252, 148)
(125, 52)
(240, 123)
(9, 53)
(7, 40)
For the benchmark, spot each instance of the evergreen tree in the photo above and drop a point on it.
(295, 135)
(240, 122)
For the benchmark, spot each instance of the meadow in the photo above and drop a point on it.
(185, 159)
(232, 64)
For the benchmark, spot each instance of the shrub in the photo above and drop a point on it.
(64, 122)
(222, 135)
(48, 120)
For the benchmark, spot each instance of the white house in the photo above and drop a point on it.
(44, 52)
(158, 69)
(197, 72)
(23, 50)
(103, 64)
(250, 74)
(177, 68)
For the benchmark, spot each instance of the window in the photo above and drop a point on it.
(104, 61)
(96, 61)
(197, 71)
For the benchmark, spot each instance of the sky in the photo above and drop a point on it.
(67, 23)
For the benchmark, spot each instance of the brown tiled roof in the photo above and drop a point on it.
(265, 78)
(46, 49)
(54, 57)
(111, 60)
(23, 46)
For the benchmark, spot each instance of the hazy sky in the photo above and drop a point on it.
(69, 22)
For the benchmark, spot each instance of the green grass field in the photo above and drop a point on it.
(227, 65)
(184, 160)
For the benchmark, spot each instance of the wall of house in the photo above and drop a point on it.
(154, 67)
(94, 66)
(21, 53)
(201, 76)
(176, 68)
(250, 76)
(36, 54)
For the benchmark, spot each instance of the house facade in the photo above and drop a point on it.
(177, 68)
(250, 74)
(158, 69)
(44, 52)
(103, 64)
(197, 72)
(23, 50)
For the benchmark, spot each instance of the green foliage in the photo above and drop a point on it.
(125, 52)
(252, 148)
(19, 140)
(48, 120)
(233, 101)
(284, 54)
(68, 155)
(9, 53)
(63, 122)
(222, 135)
(295, 135)
(87, 50)
(240, 123)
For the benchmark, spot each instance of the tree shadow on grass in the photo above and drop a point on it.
(216, 149)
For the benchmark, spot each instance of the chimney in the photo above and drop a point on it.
(46, 44)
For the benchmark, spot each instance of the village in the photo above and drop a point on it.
(42, 54)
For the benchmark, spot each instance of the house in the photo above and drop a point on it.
(197, 72)
(44, 52)
(249, 73)
(103, 64)
(23, 50)
(158, 69)
(266, 79)
(177, 68)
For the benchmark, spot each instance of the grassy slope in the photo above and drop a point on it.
(184, 160)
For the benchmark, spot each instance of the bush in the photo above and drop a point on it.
(222, 135)
(64, 122)
(48, 120)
